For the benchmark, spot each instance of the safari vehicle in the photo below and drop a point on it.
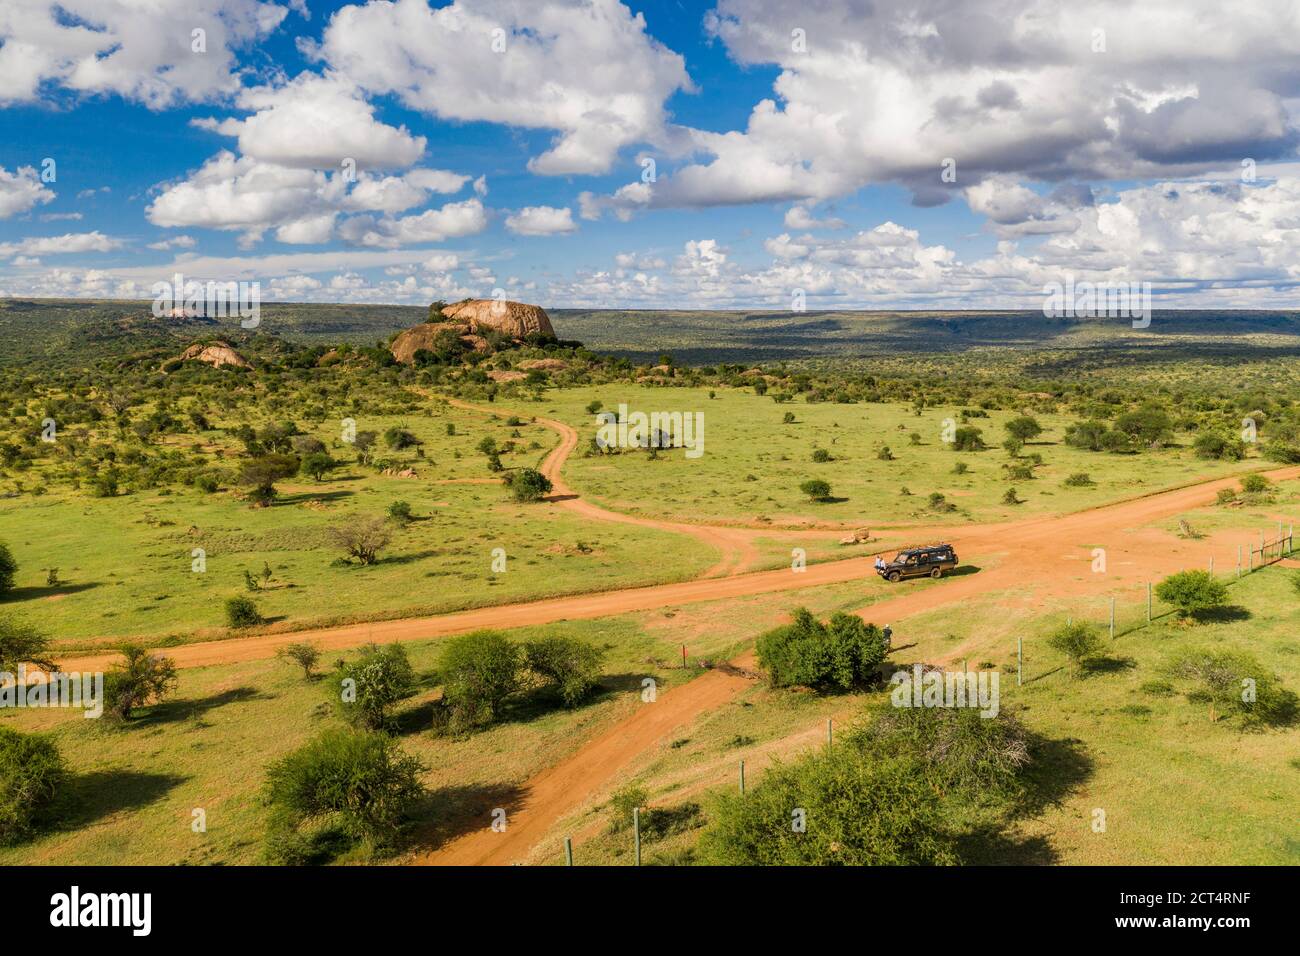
(929, 561)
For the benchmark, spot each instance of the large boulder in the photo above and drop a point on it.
(515, 319)
(216, 354)
(469, 320)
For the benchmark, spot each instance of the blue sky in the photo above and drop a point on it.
(796, 152)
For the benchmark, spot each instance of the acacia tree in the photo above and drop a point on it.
(1193, 593)
(260, 475)
(22, 643)
(142, 678)
(362, 538)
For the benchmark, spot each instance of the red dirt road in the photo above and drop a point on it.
(1037, 545)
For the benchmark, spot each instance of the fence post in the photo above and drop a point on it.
(568, 851)
(742, 776)
(829, 732)
(1020, 660)
(636, 829)
(1112, 619)
(1211, 565)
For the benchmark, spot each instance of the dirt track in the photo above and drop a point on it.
(1042, 548)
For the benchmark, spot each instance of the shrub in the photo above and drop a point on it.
(1221, 447)
(1011, 498)
(1023, 428)
(260, 475)
(1238, 686)
(1088, 435)
(478, 672)
(1192, 593)
(968, 438)
(20, 643)
(960, 468)
(241, 611)
(1080, 642)
(941, 504)
(816, 489)
(31, 773)
(866, 812)
(317, 464)
(528, 485)
(8, 569)
(305, 655)
(844, 653)
(398, 439)
(1255, 484)
(362, 780)
(400, 511)
(361, 538)
(1147, 424)
(787, 418)
(884, 454)
(622, 802)
(821, 455)
(573, 667)
(369, 685)
(139, 680)
(1080, 479)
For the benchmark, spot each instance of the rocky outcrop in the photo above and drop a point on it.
(470, 320)
(515, 319)
(216, 354)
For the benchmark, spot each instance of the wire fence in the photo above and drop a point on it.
(1120, 616)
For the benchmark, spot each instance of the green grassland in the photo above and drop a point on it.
(753, 463)
(126, 563)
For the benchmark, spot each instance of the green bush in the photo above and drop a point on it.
(1192, 593)
(369, 685)
(1236, 686)
(241, 611)
(968, 438)
(844, 653)
(362, 781)
(859, 811)
(1079, 479)
(1023, 428)
(31, 773)
(816, 489)
(622, 802)
(8, 568)
(478, 672)
(1220, 447)
(528, 485)
(400, 511)
(1080, 642)
(21, 643)
(571, 666)
(139, 680)
(821, 455)
(1255, 484)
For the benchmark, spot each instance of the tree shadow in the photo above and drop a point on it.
(58, 590)
(303, 496)
(444, 814)
(408, 558)
(989, 845)
(171, 711)
(1106, 665)
(90, 797)
(1229, 614)
(1059, 768)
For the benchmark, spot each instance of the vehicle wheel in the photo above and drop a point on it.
(894, 576)
(937, 573)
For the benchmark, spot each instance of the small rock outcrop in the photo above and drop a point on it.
(470, 320)
(216, 354)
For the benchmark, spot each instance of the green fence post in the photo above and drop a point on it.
(830, 731)
(636, 829)
(568, 851)
(742, 776)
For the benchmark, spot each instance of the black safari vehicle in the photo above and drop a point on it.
(930, 561)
